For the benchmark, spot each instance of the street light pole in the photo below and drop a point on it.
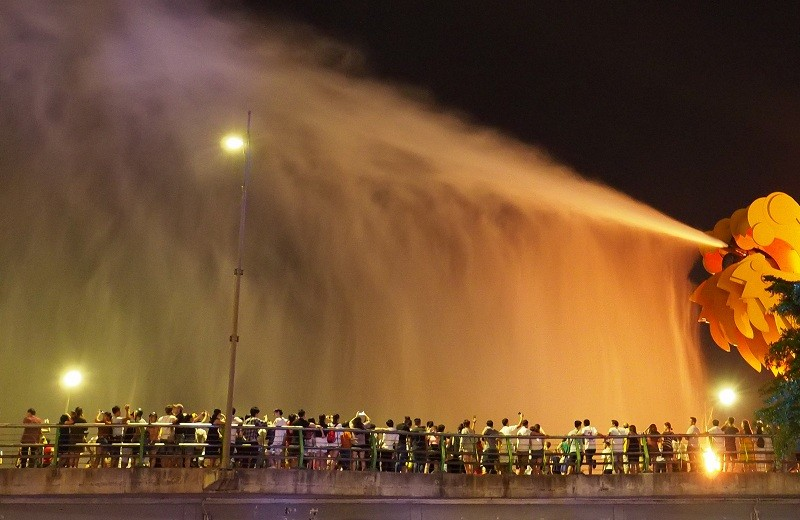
(234, 339)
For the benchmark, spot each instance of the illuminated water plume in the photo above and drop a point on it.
(397, 259)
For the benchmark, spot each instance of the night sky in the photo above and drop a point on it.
(692, 108)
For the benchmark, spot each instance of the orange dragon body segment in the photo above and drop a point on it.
(763, 239)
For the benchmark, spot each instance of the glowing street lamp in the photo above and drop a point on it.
(70, 380)
(727, 396)
(234, 143)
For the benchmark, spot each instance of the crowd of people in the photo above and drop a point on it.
(177, 438)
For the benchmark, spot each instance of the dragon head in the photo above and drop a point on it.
(762, 239)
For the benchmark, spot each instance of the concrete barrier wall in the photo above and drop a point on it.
(368, 485)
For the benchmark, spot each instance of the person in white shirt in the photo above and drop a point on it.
(118, 422)
(617, 437)
(537, 447)
(278, 439)
(693, 444)
(389, 441)
(523, 447)
(235, 423)
(573, 448)
(590, 444)
(608, 458)
(166, 435)
(507, 438)
(716, 441)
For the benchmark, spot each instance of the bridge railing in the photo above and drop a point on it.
(256, 446)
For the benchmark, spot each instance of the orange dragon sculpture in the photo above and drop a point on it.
(763, 239)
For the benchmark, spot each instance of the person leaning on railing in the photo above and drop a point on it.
(762, 450)
(166, 437)
(590, 444)
(403, 430)
(346, 450)
(453, 452)
(469, 446)
(278, 441)
(64, 447)
(418, 448)
(616, 435)
(746, 448)
(78, 435)
(668, 445)
(389, 440)
(490, 438)
(633, 450)
(729, 457)
(118, 421)
(360, 445)
(573, 448)
(152, 438)
(132, 435)
(434, 452)
(214, 438)
(507, 439)
(313, 448)
(320, 441)
(653, 453)
(522, 447)
(103, 448)
(537, 447)
(30, 456)
(183, 435)
(716, 441)
(693, 444)
(250, 448)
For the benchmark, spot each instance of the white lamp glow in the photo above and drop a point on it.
(232, 143)
(72, 379)
(727, 396)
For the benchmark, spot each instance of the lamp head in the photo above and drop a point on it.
(72, 379)
(232, 143)
(727, 396)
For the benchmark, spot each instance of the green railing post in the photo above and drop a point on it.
(142, 432)
(302, 448)
(443, 452)
(615, 467)
(477, 463)
(55, 447)
(510, 457)
(373, 443)
(545, 456)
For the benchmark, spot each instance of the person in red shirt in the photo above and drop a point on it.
(30, 455)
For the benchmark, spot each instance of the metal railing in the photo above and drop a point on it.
(192, 445)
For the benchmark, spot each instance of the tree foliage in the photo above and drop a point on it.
(782, 394)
